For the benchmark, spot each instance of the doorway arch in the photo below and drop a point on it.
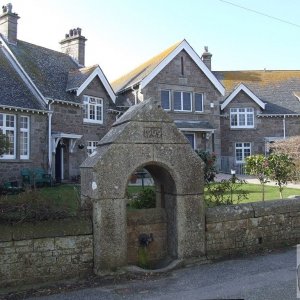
(144, 136)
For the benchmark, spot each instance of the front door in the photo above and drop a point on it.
(58, 163)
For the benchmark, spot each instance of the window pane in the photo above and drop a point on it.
(99, 114)
(198, 102)
(177, 101)
(233, 120)
(239, 154)
(187, 101)
(92, 112)
(165, 99)
(10, 134)
(1, 119)
(249, 119)
(242, 120)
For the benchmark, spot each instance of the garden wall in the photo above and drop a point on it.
(246, 228)
(42, 251)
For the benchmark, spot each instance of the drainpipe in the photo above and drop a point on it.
(49, 139)
(284, 126)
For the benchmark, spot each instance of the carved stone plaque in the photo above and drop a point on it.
(153, 132)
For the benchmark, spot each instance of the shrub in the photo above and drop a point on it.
(225, 192)
(146, 198)
(210, 169)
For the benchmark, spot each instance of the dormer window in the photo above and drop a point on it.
(242, 118)
(92, 110)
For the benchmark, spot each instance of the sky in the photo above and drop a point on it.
(125, 33)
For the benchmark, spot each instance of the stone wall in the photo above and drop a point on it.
(251, 227)
(44, 251)
(147, 221)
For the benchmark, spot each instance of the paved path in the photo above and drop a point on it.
(269, 276)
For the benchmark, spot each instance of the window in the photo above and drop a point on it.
(242, 150)
(242, 117)
(92, 110)
(91, 147)
(165, 100)
(198, 102)
(8, 127)
(191, 138)
(24, 137)
(182, 101)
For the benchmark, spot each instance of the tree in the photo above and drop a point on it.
(258, 165)
(291, 147)
(282, 169)
(4, 143)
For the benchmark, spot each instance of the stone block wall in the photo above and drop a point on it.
(45, 251)
(147, 221)
(251, 227)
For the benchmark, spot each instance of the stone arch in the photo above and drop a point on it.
(144, 136)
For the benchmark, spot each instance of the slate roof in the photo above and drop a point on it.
(48, 69)
(278, 89)
(139, 73)
(13, 90)
(77, 77)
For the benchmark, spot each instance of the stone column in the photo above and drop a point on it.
(110, 234)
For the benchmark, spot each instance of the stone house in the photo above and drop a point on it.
(233, 113)
(188, 90)
(52, 107)
(259, 107)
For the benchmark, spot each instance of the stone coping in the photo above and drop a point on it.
(46, 229)
(251, 210)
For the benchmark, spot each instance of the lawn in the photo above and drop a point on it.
(271, 192)
(43, 203)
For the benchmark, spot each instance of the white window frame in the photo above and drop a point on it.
(26, 132)
(194, 138)
(202, 102)
(91, 147)
(243, 147)
(4, 129)
(169, 92)
(89, 106)
(242, 111)
(181, 98)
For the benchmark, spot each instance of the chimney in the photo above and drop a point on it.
(74, 45)
(9, 24)
(206, 57)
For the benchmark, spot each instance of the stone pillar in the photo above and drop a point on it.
(110, 234)
(190, 226)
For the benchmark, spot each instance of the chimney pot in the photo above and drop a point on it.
(74, 45)
(206, 57)
(9, 23)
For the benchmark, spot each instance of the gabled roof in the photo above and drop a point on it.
(237, 90)
(84, 76)
(277, 89)
(144, 73)
(13, 90)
